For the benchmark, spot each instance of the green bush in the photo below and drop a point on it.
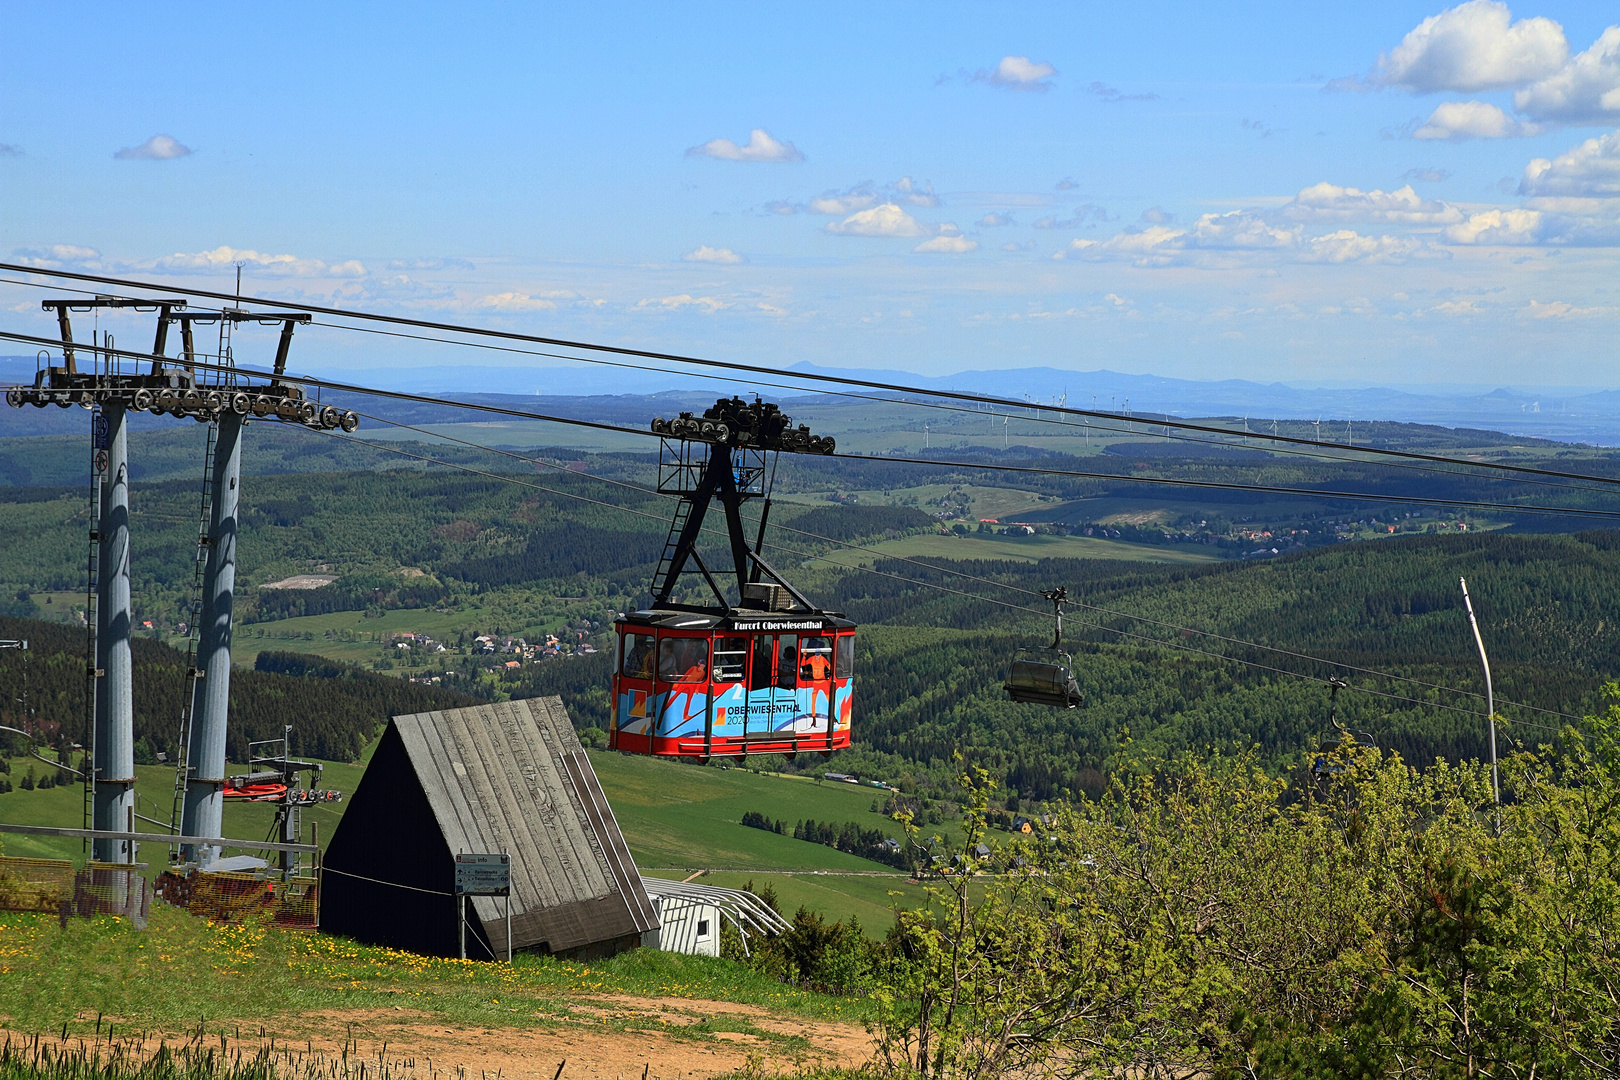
(1205, 917)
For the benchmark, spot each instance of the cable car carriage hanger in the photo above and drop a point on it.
(761, 669)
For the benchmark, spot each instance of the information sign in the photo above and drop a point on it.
(483, 874)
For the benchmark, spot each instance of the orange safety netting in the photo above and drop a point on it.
(60, 887)
(230, 897)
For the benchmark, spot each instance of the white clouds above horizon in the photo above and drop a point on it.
(1586, 90)
(862, 196)
(684, 302)
(950, 241)
(157, 148)
(706, 254)
(1588, 171)
(1404, 205)
(1018, 73)
(1458, 120)
(223, 259)
(1472, 47)
(761, 147)
(885, 219)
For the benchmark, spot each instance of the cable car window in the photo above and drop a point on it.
(787, 668)
(846, 656)
(815, 659)
(683, 660)
(638, 654)
(730, 659)
(764, 654)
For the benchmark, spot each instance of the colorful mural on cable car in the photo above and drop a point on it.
(688, 684)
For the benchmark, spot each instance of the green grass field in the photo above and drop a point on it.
(183, 971)
(676, 819)
(1025, 548)
(688, 817)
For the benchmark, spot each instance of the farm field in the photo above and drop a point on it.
(1019, 548)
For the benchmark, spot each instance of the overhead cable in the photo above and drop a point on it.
(524, 414)
(730, 365)
(972, 596)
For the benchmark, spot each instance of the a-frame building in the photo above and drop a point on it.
(509, 777)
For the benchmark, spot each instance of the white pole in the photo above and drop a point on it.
(1490, 699)
(461, 922)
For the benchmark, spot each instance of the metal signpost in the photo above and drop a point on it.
(483, 875)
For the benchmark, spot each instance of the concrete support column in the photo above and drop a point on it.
(205, 801)
(114, 761)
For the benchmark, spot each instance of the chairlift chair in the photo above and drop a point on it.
(1046, 676)
(1337, 737)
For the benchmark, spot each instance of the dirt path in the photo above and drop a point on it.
(602, 1038)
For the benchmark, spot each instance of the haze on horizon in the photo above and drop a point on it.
(1387, 193)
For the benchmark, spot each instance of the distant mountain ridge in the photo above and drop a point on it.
(1563, 413)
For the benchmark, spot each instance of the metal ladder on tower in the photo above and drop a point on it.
(677, 524)
(194, 612)
(92, 618)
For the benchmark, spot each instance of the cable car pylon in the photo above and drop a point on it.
(758, 668)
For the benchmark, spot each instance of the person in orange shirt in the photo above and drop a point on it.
(816, 667)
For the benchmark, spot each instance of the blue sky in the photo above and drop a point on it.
(1399, 193)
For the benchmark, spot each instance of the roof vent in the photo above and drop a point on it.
(771, 597)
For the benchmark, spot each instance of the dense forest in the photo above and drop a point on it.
(1154, 644)
(334, 710)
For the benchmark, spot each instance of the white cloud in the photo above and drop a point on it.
(684, 300)
(886, 219)
(1157, 245)
(1553, 309)
(994, 220)
(1584, 91)
(1349, 246)
(57, 255)
(1498, 227)
(1471, 47)
(1018, 73)
(950, 241)
(1240, 230)
(1589, 171)
(707, 254)
(905, 190)
(1403, 205)
(515, 301)
(223, 259)
(1553, 222)
(863, 196)
(761, 147)
(430, 264)
(839, 203)
(1458, 120)
(157, 148)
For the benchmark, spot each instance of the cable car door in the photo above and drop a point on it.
(761, 688)
(815, 684)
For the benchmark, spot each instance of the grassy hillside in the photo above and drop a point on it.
(676, 819)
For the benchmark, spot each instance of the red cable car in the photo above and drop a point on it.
(763, 672)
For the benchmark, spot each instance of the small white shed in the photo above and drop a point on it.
(690, 914)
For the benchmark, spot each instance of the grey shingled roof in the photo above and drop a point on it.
(513, 777)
